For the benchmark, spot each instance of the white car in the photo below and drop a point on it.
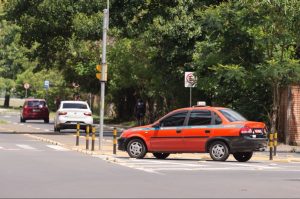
(72, 112)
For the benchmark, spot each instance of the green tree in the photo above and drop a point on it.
(248, 53)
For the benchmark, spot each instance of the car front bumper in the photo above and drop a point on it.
(122, 144)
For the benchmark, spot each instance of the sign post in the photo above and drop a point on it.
(190, 81)
(26, 86)
(46, 86)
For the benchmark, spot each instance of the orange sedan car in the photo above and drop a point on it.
(199, 129)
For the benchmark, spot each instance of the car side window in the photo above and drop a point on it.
(200, 117)
(174, 120)
(218, 120)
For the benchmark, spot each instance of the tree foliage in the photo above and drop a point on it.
(243, 52)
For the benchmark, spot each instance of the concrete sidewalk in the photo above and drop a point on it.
(284, 153)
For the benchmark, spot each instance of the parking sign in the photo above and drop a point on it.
(46, 84)
(189, 79)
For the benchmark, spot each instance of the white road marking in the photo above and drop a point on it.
(249, 165)
(6, 149)
(58, 148)
(21, 124)
(38, 128)
(23, 146)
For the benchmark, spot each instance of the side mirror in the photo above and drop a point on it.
(156, 126)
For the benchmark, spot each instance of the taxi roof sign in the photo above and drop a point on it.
(201, 103)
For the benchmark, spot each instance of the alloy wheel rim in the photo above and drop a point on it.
(136, 148)
(218, 151)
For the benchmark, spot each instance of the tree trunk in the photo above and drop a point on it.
(275, 106)
(6, 100)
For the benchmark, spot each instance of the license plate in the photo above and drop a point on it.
(36, 110)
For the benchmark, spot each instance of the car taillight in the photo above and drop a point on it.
(62, 113)
(88, 114)
(246, 130)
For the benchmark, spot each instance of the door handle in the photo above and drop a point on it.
(178, 130)
(207, 131)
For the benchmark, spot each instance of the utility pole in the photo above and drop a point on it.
(103, 75)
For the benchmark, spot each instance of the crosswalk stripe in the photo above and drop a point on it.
(23, 146)
(58, 148)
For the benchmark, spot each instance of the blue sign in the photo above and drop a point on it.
(46, 84)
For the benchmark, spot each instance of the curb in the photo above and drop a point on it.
(113, 159)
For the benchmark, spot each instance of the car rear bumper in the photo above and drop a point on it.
(71, 123)
(246, 143)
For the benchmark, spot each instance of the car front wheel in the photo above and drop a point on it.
(136, 149)
(243, 156)
(219, 151)
(161, 156)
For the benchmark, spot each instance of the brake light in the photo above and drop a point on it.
(246, 130)
(62, 113)
(88, 114)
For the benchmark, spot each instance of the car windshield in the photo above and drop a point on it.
(35, 103)
(74, 106)
(232, 115)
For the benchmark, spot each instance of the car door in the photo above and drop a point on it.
(199, 128)
(168, 136)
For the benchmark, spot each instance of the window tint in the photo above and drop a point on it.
(218, 120)
(35, 103)
(174, 120)
(74, 105)
(198, 118)
(231, 115)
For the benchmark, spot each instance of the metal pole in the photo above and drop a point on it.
(190, 96)
(115, 141)
(26, 93)
(102, 82)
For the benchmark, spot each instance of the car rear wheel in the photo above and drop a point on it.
(22, 120)
(46, 120)
(136, 149)
(243, 156)
(161, 156)
(219, 151)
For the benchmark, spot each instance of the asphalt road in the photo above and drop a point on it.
(34, 169)
(38, 126)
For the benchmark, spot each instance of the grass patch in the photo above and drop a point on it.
(3, 122)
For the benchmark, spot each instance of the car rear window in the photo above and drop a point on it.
(232, 115)
(35, 103)
(74, 105)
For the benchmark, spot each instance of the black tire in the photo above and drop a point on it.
(56, 129)
(161, 156)
(242, 156)
(46, 120)
(219, 151)
(22, 120)
(136, 149)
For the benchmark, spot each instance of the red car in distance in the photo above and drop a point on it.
(34, 109)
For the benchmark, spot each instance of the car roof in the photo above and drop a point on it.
(33, 99)
(198, 108)
(74, 101)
